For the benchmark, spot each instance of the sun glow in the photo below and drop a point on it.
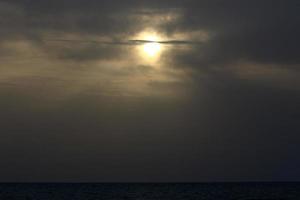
(151, 49)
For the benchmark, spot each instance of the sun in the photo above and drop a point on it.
(152, 48)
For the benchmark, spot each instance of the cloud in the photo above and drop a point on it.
(75, 90)
(167, 42)
(257, 31)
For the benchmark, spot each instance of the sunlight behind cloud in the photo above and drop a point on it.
(152, 48)
(150, 51)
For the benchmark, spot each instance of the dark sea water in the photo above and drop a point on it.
(160, 191)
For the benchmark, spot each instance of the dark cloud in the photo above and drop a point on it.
(246, 130)
(254, 30)
(221, 103)
(171, 42)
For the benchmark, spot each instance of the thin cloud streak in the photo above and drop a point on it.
(168, 42)
(129, 42)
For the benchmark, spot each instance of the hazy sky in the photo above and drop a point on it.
(136, 90)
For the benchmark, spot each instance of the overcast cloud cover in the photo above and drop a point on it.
(78, 101)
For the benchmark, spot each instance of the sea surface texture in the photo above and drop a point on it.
(159, 191)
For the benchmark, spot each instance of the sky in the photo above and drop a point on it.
(149, 91)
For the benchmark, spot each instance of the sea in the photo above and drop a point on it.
(150, 191)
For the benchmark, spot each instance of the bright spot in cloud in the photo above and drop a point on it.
(152, 48)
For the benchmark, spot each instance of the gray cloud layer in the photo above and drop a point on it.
(262, 31)
(239, 119)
